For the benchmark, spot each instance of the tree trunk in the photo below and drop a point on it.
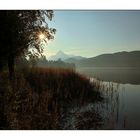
(11, 60)
(1, 63)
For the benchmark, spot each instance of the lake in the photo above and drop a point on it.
(121, 107)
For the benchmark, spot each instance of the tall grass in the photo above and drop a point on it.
(39, 98)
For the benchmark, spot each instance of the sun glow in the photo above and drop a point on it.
(41, 36)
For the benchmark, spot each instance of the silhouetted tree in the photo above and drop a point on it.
(19, 34)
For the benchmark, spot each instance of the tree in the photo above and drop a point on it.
(23, 32)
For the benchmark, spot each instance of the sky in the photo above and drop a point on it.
(91, 33)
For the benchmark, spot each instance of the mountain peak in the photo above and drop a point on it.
(63, 56)
(59, 55)
(60, 52)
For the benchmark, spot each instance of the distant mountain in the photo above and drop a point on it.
(65, 57)
(59, 55)
(119, 59)
(74, 58)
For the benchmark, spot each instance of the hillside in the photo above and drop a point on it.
(119, 59)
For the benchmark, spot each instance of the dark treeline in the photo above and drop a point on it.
(43, 62)
(32, 62)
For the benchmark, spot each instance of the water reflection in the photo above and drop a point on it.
(119, 75)
(121, 91)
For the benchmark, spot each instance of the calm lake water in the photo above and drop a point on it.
(121, 107)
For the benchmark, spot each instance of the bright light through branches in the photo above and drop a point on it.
(41, 36)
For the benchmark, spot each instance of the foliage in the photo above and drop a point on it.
(20, 30)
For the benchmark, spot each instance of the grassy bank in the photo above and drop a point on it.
(39, 98)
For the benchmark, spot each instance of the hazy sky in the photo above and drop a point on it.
(90, 33)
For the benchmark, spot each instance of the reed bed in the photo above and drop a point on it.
(39, 98)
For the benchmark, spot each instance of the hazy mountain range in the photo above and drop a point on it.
(119, 59)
